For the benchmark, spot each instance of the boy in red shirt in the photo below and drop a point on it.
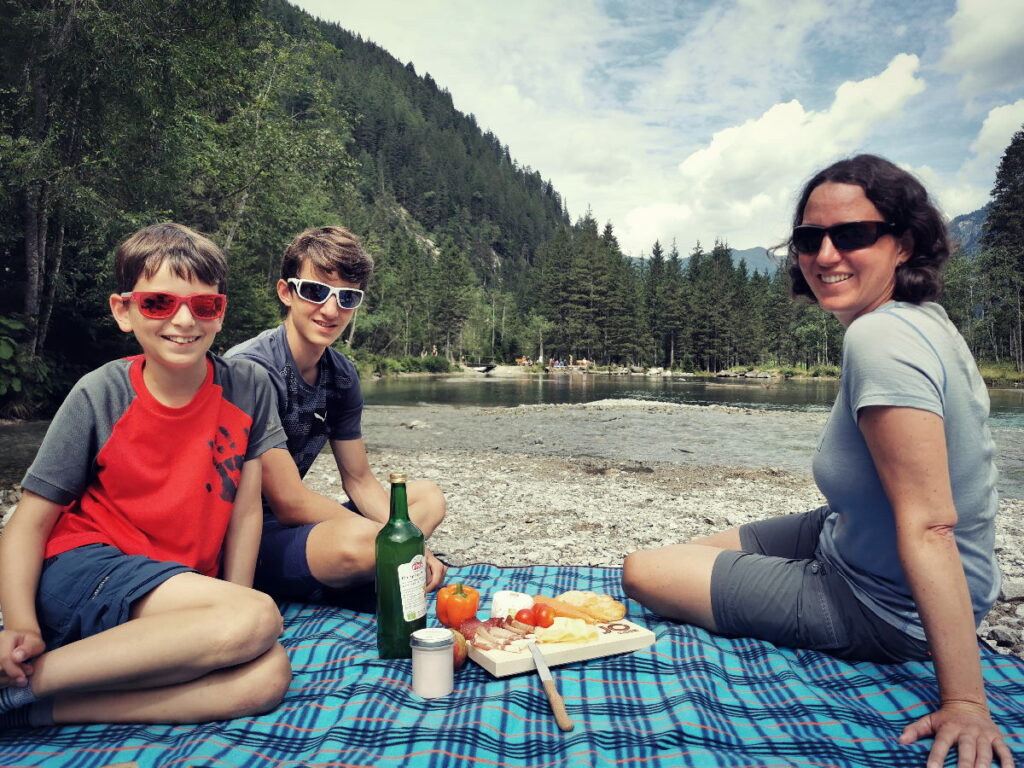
(126, 571)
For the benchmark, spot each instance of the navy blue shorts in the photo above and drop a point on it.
(777, 590)
(90, 589)
(282, 569)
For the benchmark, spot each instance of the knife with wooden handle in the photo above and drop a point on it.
(554, 697)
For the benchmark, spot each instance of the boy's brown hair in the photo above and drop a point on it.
(330, 250)
(188, 254)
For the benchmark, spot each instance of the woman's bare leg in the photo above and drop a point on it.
(675, 581)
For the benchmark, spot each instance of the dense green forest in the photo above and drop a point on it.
(250, 121)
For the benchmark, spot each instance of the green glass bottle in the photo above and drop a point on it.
(401, 578)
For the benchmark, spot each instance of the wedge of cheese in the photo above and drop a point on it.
(565, 630)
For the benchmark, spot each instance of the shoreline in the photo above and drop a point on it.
(466, 369)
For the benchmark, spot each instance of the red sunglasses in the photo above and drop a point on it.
(160, 306)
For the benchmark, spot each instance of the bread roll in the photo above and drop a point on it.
(602, 607)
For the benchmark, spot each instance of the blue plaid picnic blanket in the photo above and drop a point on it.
(692, 699)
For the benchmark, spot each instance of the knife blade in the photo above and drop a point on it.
(554, 697)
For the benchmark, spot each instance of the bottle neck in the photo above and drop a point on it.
(399, 502)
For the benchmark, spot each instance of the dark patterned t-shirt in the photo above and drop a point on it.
(331, 409)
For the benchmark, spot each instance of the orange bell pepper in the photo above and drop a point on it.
(456, 603)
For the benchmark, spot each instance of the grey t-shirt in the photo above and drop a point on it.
(910, 356)
(332, 408)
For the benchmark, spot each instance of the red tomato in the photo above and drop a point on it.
(544, 615)
(525, 615)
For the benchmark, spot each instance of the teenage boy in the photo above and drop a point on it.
(312, 545)
(144, 491)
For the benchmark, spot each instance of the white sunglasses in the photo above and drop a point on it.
(317, 293)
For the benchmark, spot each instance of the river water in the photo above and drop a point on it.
(766, 394)
(20, 440)
(734, 441)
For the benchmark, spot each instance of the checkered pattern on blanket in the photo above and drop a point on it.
(691, 699)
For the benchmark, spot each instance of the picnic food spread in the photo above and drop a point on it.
(601, 606)
(572, 626)
(433, 662)
(564, 630)
(508, 603)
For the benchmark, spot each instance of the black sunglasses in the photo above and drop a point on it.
(849, 236)
(317, 292)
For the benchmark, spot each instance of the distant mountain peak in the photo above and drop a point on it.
(966, 230)
(758, 260)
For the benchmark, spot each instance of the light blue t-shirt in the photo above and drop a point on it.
(911, 356)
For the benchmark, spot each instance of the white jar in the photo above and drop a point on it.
(433, 670)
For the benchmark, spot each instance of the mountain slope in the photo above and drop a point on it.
(966, 231)
(412, 145)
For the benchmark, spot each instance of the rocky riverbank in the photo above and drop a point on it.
(588, 484)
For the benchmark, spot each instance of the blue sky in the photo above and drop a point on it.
(687, 120)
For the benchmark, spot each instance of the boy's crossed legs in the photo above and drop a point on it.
(195, 649)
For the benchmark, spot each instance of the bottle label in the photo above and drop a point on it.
(412, 581)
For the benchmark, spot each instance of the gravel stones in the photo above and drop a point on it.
(513, 502)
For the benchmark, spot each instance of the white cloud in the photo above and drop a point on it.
(998, 129)
(970, 187)
(985, 45)
(953, 196)
(741, 185)
(493, 63)
(736, 55)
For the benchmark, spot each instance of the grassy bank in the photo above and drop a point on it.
(790, 371)
(369, 364)
(1001, 374)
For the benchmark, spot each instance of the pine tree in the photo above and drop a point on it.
(779, 310)
(551, 286)
(721, 307)
(452, 296)
(746, 320)
(621, 322)
(674, 306)
(654, 294)
(1002, 260)
(580, 310)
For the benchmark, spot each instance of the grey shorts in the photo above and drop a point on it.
(777, 590)
(90, 589)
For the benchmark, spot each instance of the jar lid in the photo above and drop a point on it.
(432, 637)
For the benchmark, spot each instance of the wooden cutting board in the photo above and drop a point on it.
(616, 637)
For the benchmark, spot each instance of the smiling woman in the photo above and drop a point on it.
(872, 223)
(853, 268)
(900, 563)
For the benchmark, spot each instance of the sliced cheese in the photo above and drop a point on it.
(566, 630)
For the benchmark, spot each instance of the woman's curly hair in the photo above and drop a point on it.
(903, 201)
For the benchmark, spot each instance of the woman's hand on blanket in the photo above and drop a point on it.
(17, 649)
(435, 571)
(967, 725)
